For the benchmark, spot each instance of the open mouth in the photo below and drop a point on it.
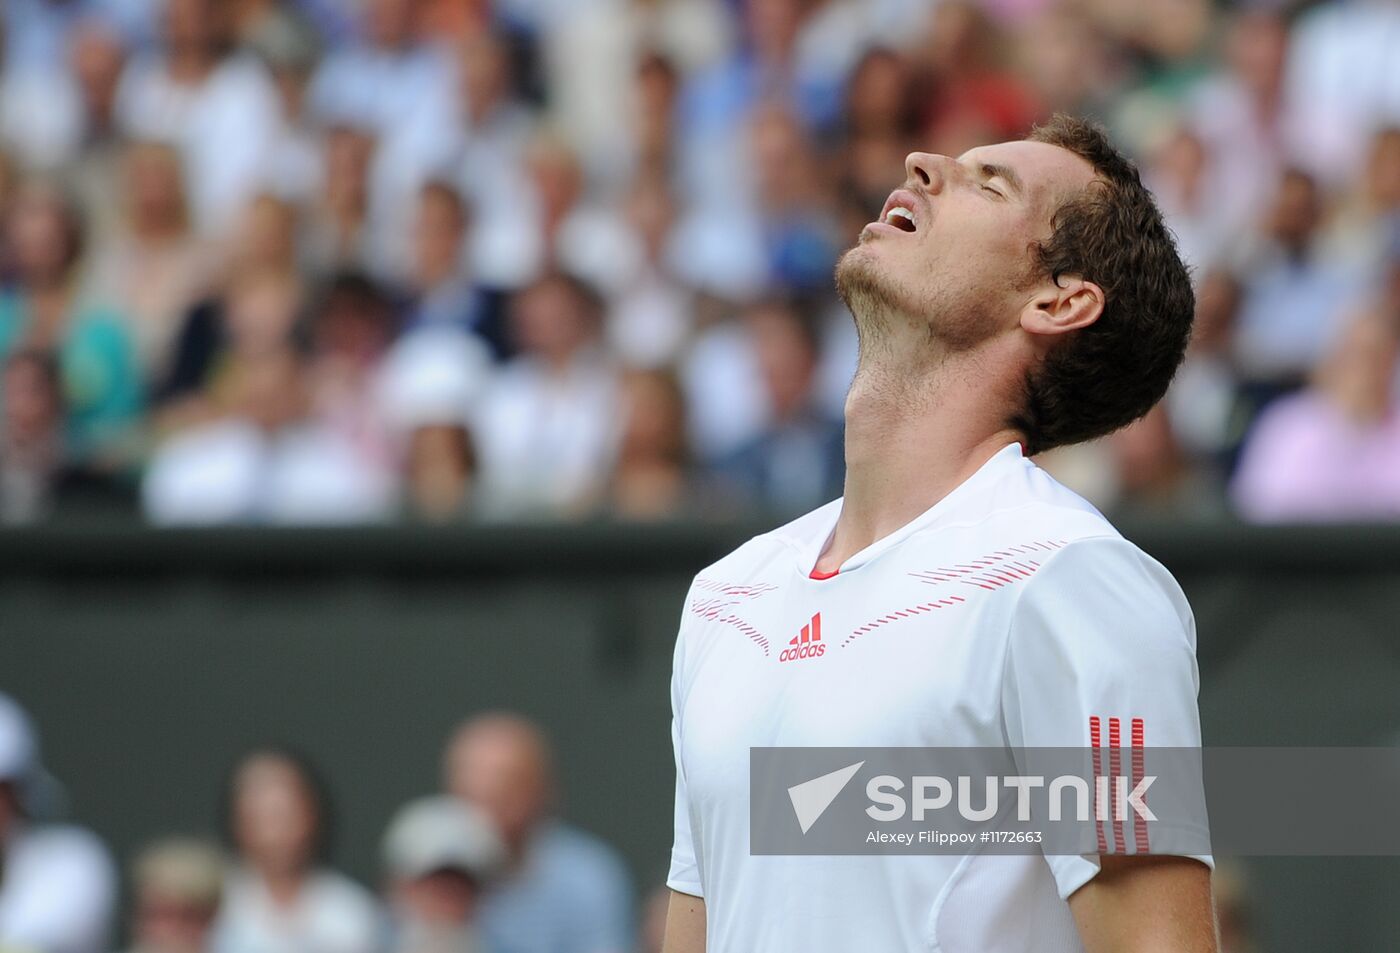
(901, 218)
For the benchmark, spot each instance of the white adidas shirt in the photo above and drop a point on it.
(1011, 614)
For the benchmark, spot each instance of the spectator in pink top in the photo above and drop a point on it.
(1332, 452)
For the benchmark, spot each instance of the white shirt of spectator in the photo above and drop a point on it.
(232, 471)
(1009, 614)
(224, 127)
(547, 441)
(332, 914)
(58, 894)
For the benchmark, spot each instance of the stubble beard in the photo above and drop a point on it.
(897, 327)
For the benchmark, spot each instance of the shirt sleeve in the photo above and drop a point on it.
(684, 875)
(63, 894)
(1101, 654)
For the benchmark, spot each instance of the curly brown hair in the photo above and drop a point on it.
(1110, 373)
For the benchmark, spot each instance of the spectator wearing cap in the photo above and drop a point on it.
(562, 890)
(177, 886)
(280, 898)
(58, 891)
(429, 390)
(439, 854)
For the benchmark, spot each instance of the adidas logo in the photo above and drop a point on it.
(809, 644)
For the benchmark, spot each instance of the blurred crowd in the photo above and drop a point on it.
(309, 261)
(484, 866)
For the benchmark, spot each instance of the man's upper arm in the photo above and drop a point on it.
(1146, 905)
(685, 924)
(1101, 654)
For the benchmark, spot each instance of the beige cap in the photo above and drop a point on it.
(442, 833)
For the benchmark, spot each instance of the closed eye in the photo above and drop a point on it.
(988, 188)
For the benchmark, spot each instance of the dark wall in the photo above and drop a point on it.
(151, 659)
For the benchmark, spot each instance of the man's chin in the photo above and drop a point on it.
(857, 274)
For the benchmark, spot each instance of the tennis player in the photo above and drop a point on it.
(1020, 297)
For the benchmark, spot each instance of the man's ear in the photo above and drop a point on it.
(1068, 305)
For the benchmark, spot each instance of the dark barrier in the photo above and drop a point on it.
(151, 659)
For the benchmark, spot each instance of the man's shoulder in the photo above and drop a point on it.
(1024, 506)
(761, 554)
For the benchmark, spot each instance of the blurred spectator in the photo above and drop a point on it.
(492, 171)
(1064, 59)
(51, 109)
(1370, 214)
(440, 854)
(219, 107)
(266, 459)
(562, 891)
(1155, 477)
(656, 91)
(592, 59)
(37, 479)
(276, 34)
(256, 315)
(795, 218)
(31, 437)
(46, 310)
(798, 462)
(442, 292)
(1204, 400)
(880, 121)
(974, 98)
(155, 268)
(1294, 296)
(652, 311)
(1234, 908)
(726, 403)
(59, 890)
(1237, 116)
(430, 390)
(339, 230)
(548, 429)
(1341, 84)
(1179, 175)
(280, 898)
(351, 331)
(1332, 452)
(780, 231)
(652, 478)
(177, 886)
(566, 231)
(400, 89)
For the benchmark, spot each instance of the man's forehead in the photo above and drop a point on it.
(1043, 168)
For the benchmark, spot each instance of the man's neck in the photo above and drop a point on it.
(911, 439)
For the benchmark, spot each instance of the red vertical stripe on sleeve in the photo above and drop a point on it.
(1095, 740)
(1140, 844)
(1115, 771)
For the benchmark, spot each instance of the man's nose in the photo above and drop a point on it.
(929, 169)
